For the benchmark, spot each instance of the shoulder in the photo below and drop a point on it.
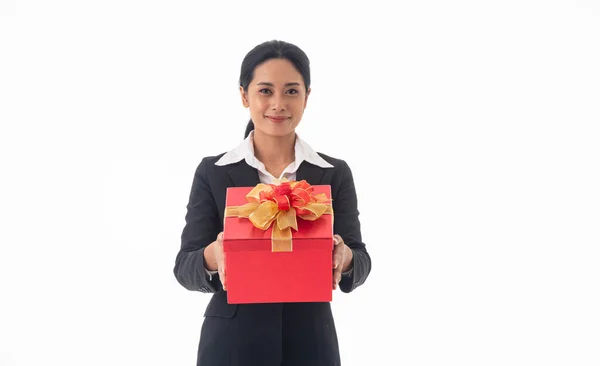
(339, 165)
(211, 160)
(208, 166)
(340, 178)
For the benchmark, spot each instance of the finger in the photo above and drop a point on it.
(336, 239)
(220, 237)
(220, 257)
(221, 265)
(337, 257)
(223, 279)
(337, 275)
(222, 275)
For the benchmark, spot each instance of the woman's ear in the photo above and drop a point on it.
(306, 97)
(244, 97)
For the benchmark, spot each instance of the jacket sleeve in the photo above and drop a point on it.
(347, 225)
(201, 228)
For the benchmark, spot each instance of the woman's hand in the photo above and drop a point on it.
(214, 258)
(342, 259)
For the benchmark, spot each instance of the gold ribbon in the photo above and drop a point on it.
(282, 203)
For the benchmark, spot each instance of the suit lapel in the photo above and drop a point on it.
(243, 175)
(311, 173)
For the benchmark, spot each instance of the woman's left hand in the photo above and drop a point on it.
(342, 259)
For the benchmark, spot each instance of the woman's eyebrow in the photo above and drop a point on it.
(271, 84)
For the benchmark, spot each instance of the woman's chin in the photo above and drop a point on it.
(277, 131)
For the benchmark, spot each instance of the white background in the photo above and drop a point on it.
(471, 128)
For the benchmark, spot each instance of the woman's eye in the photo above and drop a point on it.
(264, 91)
(293, 91)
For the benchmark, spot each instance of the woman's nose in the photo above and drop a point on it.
(277, 103)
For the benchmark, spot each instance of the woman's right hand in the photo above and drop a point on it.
(215, 259)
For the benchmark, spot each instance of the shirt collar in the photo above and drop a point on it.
(245, 150)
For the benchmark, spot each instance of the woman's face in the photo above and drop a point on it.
(276, 98)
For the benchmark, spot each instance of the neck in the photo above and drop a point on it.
(274, 150)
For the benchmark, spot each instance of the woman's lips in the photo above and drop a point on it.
(277, 119)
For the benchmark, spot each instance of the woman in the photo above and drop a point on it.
(274, 86)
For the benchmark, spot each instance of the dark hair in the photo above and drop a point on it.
(269, 50)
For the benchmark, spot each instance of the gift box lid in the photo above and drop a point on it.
(311, 235)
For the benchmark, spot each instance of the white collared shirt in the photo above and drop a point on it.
(245, 150)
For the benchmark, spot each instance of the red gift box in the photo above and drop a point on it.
(263, 268)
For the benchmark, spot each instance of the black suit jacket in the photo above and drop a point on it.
(264, 334)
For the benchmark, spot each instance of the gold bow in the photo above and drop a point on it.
(282, 203)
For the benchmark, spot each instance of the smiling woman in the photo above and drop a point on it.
(274, 86)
